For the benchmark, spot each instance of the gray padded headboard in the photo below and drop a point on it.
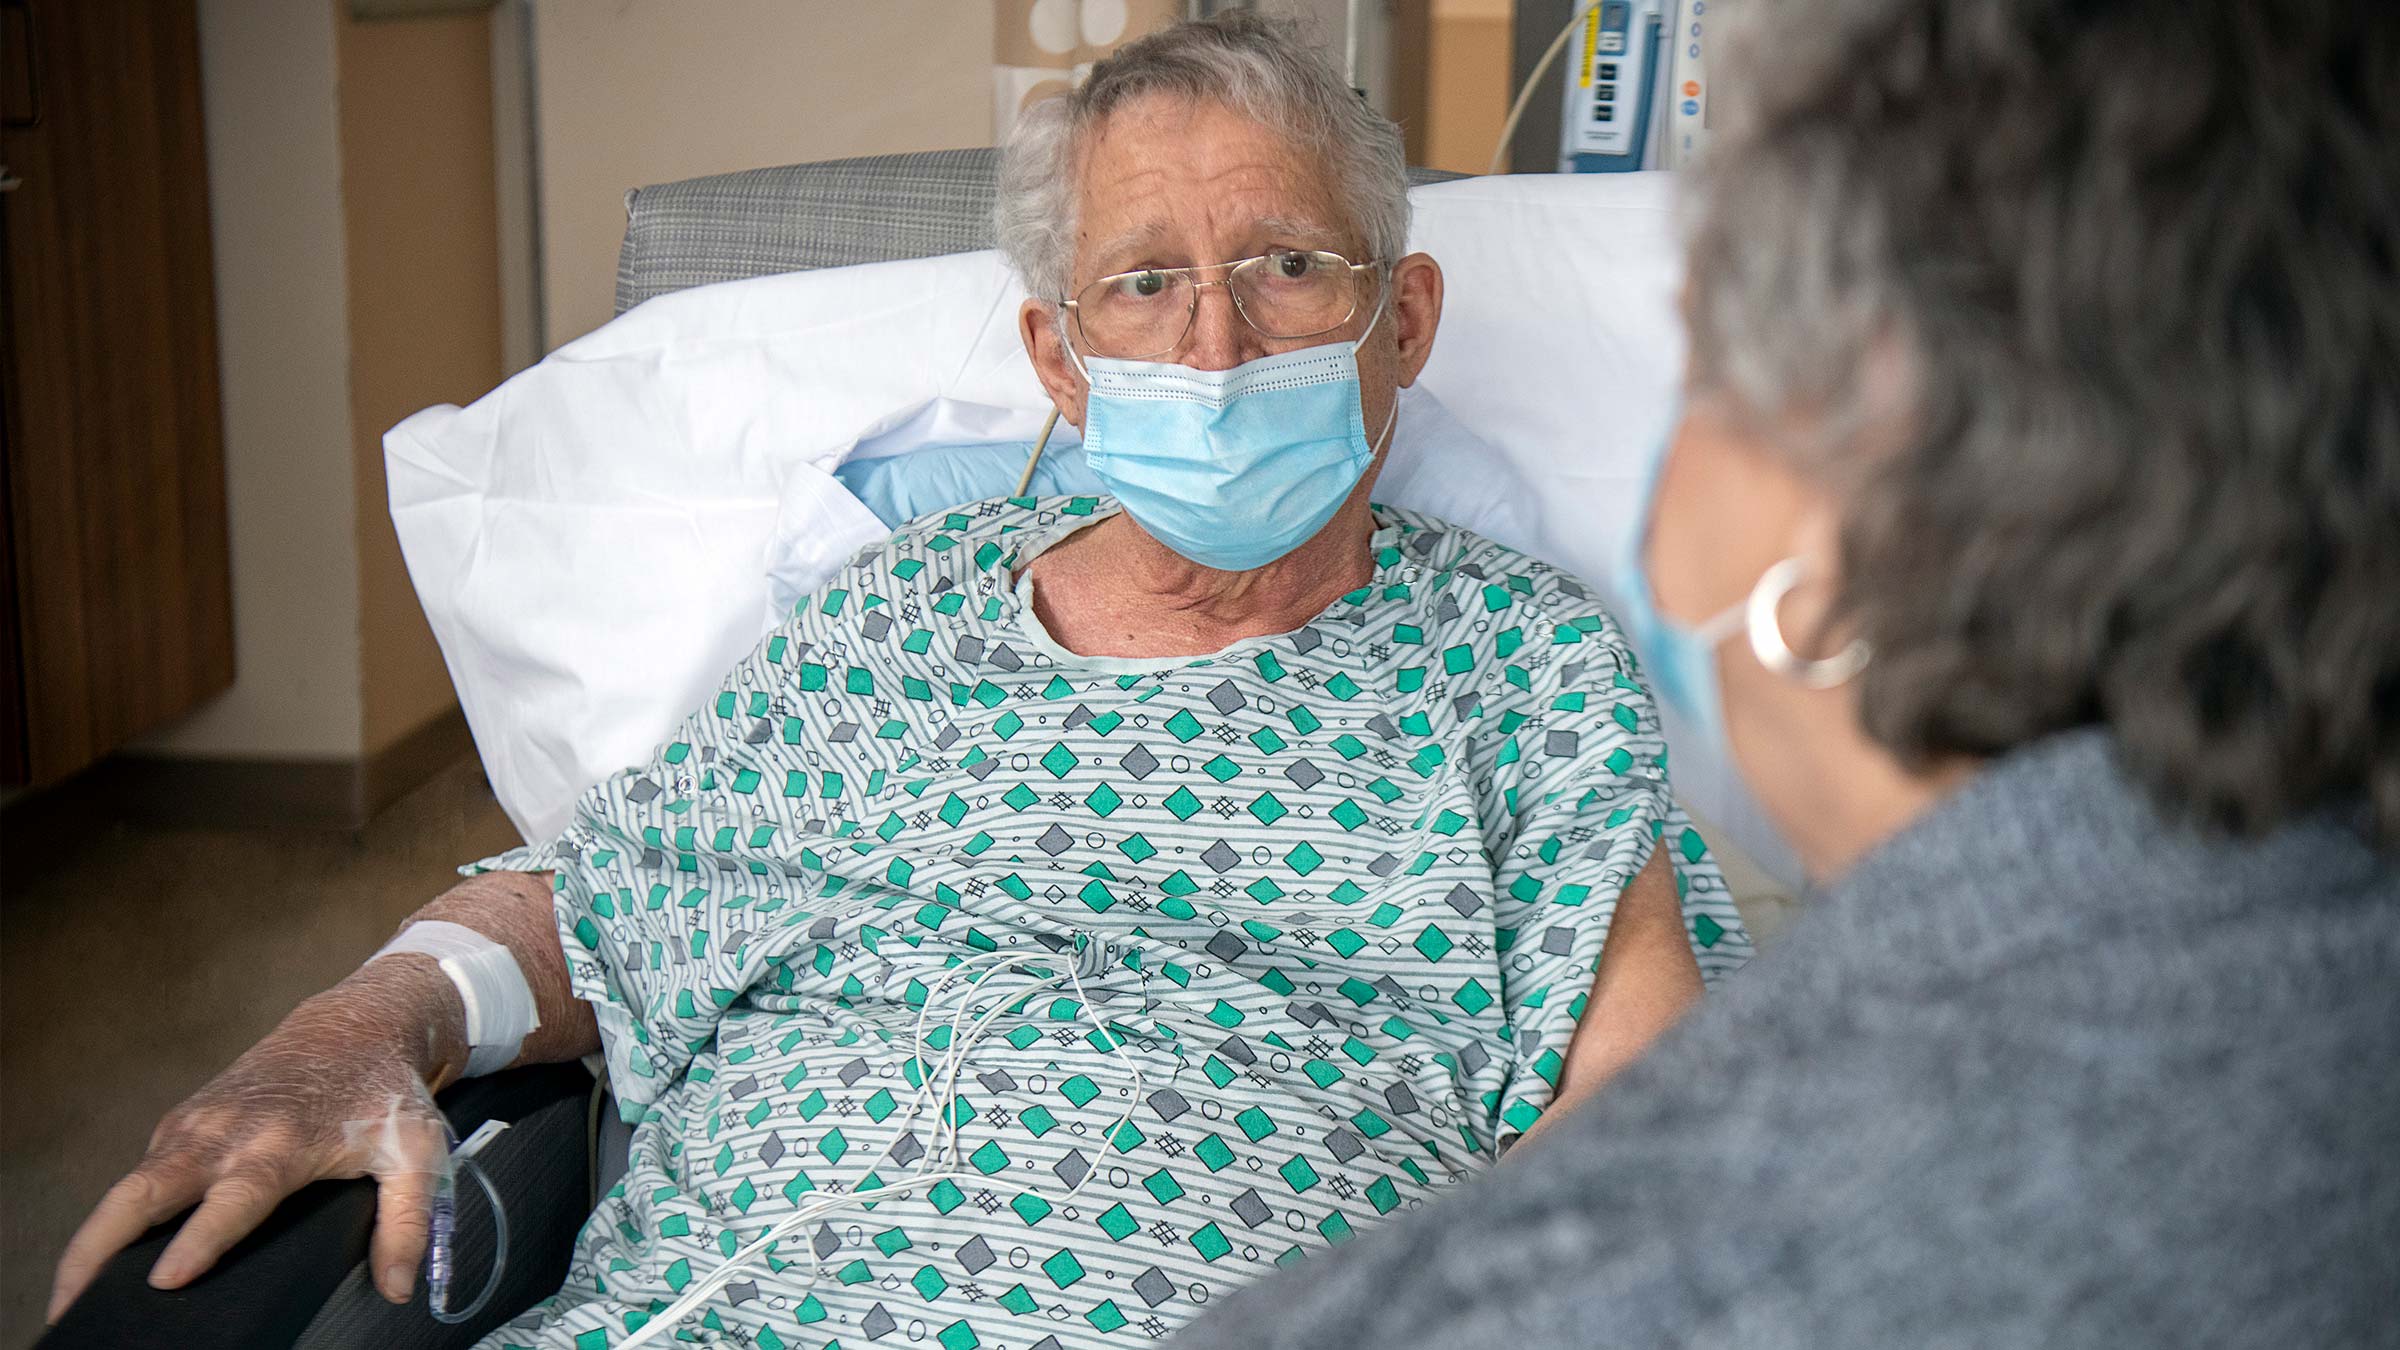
(761, 221)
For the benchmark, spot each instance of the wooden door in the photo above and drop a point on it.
(120, 611)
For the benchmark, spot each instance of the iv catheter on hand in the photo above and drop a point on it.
(442, 1227)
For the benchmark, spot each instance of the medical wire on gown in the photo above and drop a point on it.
(1025, 480)
(944, 1072)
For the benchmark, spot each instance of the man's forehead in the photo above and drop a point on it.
(1158, 231)
(1158, 171)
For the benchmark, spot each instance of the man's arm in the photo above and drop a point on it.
(1647, 980)
(514, 910)
(1607, 932)
(341, 1088)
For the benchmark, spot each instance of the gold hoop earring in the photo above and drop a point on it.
(1766, 635)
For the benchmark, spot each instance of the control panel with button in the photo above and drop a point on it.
(1608, 92)
(1637, 85)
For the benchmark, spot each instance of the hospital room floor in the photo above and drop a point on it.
(138, 962)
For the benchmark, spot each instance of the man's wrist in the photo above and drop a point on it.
(407, 1000)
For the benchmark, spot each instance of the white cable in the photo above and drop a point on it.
(1516, 111)
(1116, 1048)
(952, 1062)
(954, 1053)
(491, 987)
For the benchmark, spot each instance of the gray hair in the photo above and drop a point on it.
(2091, 316)
(1265, 67)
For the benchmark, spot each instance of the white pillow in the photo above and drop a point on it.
(597, 541)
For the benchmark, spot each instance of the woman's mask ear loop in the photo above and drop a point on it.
(1766, 635)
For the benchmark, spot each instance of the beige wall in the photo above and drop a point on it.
(352, 183)
(635, 92)
(1466, 78)
(351, 190)
(424, 326)
(274, 186)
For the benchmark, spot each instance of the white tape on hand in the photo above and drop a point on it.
(499, 1004)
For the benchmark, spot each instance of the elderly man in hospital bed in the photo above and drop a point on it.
(1128, 893)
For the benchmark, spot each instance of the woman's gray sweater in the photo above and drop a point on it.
(2043, 1070)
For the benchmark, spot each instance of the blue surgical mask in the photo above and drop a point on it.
(1231, 468)
(1680, 659)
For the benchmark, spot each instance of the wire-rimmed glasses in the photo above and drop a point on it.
(1284, 293)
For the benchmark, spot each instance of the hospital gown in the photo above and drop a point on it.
(1336, 896)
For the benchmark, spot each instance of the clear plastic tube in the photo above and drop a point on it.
(441, 1244)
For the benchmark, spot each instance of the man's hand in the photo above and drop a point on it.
(338, 1090)
(343, 1088)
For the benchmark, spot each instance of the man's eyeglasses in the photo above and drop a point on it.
(1283, 293)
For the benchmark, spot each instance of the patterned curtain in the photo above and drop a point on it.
(1042, 47)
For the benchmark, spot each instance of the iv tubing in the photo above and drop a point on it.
(1516, 112)
(437, 1283)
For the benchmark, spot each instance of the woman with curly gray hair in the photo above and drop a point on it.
(2032, 538)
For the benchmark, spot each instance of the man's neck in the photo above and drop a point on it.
(1112, 590)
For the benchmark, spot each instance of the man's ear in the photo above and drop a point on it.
(1046, 343)
(1416, 311)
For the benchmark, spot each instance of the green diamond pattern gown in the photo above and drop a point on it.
(1337, 894)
